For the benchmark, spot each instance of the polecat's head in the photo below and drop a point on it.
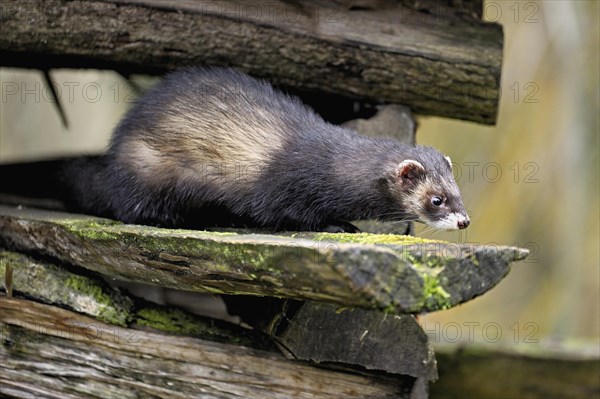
(426, 188)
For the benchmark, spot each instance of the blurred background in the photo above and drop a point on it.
(531, 181)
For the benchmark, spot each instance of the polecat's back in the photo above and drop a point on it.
(208, 124)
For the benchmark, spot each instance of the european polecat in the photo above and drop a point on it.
(210, 147)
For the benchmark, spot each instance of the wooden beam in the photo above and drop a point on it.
(51, 352)
(436, 63)
(398, 274)
(52, 284)
(318, 332)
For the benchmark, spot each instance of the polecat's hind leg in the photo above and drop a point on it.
(339, 226)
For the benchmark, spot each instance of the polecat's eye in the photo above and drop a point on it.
(436, 201)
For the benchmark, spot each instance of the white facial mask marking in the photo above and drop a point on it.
(450, 222)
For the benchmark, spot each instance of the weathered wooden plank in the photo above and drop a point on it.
(527, 370)
(398, 274)
(322, 333)
(51, 352)
(317, 333)
(436, 63)
(49, 283)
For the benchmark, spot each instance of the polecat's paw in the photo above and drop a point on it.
(341, 227)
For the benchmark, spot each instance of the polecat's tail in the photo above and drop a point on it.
(82, 179)
(58, 184)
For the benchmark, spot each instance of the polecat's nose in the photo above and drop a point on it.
(463, 224)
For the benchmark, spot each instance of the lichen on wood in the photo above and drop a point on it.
(398, 275)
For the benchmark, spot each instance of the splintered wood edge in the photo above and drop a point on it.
(397, 274)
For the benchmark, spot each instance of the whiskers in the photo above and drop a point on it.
(432, 231)
(456, 236)
(395, 220)
(396, 217)
(398, 221)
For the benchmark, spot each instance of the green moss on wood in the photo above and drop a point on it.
(102, 297)
(168, 320)
(383, 271)
(52, 284)
(177, 321)
(366, 238)
(425, 262)
(434, 295)
(89, 227)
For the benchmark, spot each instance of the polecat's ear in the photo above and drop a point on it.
(449, 160)
(409, 170)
